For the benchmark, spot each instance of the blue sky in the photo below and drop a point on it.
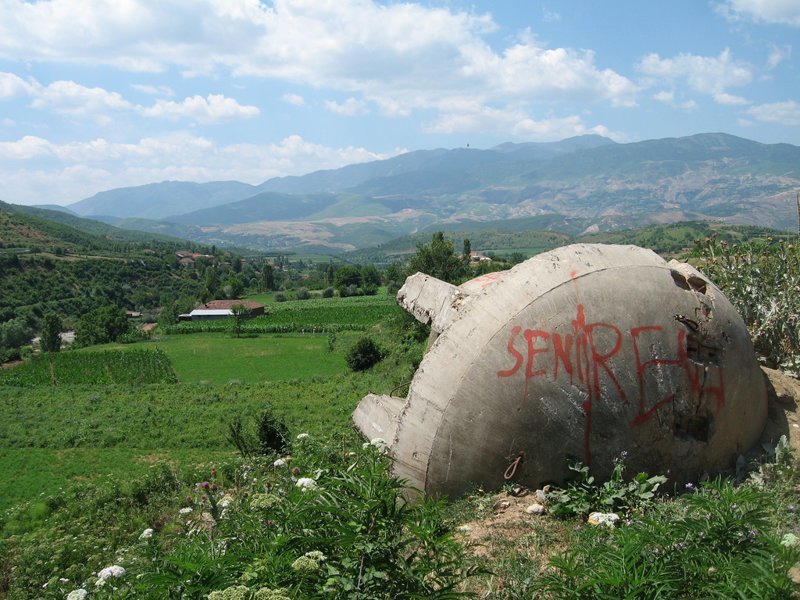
(98, 94)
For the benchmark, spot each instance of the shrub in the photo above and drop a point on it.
(302, 293)
(271, 434)
(280, 297)
(761, 281)
(583, 495)
(327, 292)
(364, 354)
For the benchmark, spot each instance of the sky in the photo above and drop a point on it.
(101, 94)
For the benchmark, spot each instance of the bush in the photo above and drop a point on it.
(364, 354)
(761, 281)
(271, 435)
(327, 292)
(302, 293)
(280, 297)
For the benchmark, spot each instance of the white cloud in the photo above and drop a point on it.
(399, 56)
(514, 121)
(785, 113)
(778, 55)
(80, 169)
(12, 86)
(550, 16)
(153, 90)
(212, 109)
(665, 97)
(782, 12)
(68, 97)
(26, 148)
(294, 99)
(348, 108)
(710, 75)
(730, 99)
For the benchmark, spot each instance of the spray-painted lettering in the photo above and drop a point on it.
(584, 355)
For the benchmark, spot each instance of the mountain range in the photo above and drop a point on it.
(589, 183)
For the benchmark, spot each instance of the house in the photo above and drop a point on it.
(476, 257)
(221, 309)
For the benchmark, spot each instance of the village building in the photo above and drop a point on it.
(221, 309)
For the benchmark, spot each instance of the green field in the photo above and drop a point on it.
(220, 358)
(77, 433)
(83, 415)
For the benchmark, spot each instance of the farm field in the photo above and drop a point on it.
(219, 358)
(73, 434)
(112, 409)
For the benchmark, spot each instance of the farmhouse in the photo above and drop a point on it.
(221, 309)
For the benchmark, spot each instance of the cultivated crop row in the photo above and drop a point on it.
(126, 367)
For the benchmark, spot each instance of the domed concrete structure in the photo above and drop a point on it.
(583, 352)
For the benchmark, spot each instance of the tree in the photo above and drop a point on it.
(268, 277)
(438, 259)
(51, 333)
(101, 325)
(233, 287)
(465, 253)
(345, 278)
(240, 312)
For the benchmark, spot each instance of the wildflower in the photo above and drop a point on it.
(78, 594)
(204, 486)
(789, 540)
(235, 592)
(146, 534)
(306, 483)
(302, 436)
(185, 511)
(279, 463)
(296, 471)
(606, 519)
(309, 562)
(378, 443)
(689, 487)
(264, 501)
(269, 594)
(112, 571)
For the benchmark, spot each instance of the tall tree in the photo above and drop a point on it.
(50, 340)
(438, 259)
(240, 313)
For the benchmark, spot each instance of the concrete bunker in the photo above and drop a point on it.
(582, 352)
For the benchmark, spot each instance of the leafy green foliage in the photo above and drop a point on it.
(364, 354)
(318, 315)
(101, 325)
(51, 333)
(65, 368)
(342, 530)
(715, 542)
(582, 495)
(271, 435)
(762, 281)
(438, 259)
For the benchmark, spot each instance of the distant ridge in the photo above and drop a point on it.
(590, 179)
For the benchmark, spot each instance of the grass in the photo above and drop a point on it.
(219, 358)
(34, 472)
(72, 434)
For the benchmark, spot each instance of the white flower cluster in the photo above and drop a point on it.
(378, 443)
(185, 511)
(79, 594)
(302, 436)
(306, 484)
(281, 462)
(112, 571)
(146, 534)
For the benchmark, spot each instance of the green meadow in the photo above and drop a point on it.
(219, 358)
